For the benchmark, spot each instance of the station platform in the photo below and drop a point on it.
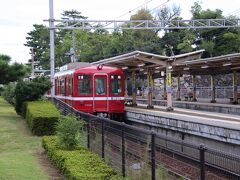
(215, 130)
(212, 118)
(223, 106)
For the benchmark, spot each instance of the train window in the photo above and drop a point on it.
(100, 86)
(66, 80)
(84, 84)
(56, 87)
(62, 87)
(70, 85)
(115, 85)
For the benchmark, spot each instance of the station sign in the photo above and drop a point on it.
(169, 78)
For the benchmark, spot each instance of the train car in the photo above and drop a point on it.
(95, 89)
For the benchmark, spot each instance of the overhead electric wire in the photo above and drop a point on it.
(158, 6)
(237, 11)
(130, 11)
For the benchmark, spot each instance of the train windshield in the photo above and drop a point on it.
(84, 84)
(116, 85)
(100, 86)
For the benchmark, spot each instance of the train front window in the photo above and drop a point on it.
(116, 85)
(100, 86)
(84, 84)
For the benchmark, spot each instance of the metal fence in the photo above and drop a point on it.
(142, 154)
(222, 92)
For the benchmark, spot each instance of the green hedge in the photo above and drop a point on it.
(41, 117)
(77, 164)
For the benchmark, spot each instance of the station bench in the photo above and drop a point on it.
(238, 98)
(188, 97)
(128, 102)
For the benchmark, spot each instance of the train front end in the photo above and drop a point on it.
(100, 90)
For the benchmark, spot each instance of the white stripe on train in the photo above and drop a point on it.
(89, 98)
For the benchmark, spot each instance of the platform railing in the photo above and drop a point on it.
(143, 154)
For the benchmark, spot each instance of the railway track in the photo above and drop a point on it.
(169, 152)
(175, 164)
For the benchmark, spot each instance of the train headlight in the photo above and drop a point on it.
(99, 67)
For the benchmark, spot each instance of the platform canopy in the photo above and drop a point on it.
(187, 63)
(141, 61)
(214, 65)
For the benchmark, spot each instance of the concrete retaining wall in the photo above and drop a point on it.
(225, 137)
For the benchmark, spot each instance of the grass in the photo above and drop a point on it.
(17, 147)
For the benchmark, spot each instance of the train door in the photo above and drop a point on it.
(100, 95)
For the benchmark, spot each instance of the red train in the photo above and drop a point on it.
(95, 89)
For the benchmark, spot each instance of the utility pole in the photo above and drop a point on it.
(169, 82)
(74, 46)
(51, 27)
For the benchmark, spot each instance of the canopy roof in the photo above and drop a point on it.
(187, 63)
(214, 65)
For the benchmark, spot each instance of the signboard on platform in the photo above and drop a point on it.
(169, 78)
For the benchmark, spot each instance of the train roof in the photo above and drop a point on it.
(62, 73)
(98, 69)
(89, 69)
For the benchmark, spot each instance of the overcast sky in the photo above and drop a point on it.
(18, 16)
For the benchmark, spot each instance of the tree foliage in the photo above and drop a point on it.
(30, 91)
(92, 45)
(10, 73)
(216, 41)
(9, 93)
(67, 130)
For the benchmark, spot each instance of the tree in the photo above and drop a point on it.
(180, 41)
(144, 40)
(186, 44)
(215, 41)
(73, 14)
(38, 39)
(167, 13)
(10, 73)
(30, 91)
(5, 58)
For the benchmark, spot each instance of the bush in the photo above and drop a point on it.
(9, 93)
(1, 89)
(67, 131)
(42, 117)
(77, 164)
(30, 91)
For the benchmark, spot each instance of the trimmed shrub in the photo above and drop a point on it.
(68, 130)
(42, 117)
(24, 109)
(77, 164)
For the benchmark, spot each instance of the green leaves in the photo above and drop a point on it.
(93, 45)
(67, 131)
(10, 73)
(42, 117)
(9, 93)
(77, 164)
(30, 91)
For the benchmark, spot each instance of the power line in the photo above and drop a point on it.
(130, 11)
(158, 6)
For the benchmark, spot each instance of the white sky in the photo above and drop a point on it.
(18, 16)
